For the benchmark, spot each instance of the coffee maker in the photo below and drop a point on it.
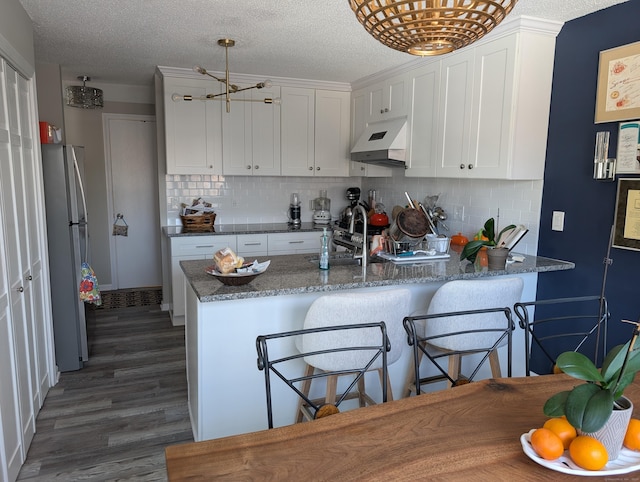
(294, 211)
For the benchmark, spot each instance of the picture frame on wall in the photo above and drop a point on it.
(618, 92)
(626, 232)
(628, 154)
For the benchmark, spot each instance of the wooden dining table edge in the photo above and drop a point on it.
(180, 458)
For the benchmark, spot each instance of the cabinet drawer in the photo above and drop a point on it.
(292, 243)
(200, 245)
(252, 245)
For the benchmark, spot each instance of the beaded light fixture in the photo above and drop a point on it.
(84, 97)
(429, 27)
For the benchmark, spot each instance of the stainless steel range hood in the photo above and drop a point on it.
(382, 143)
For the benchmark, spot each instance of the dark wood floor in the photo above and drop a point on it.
(112, 419)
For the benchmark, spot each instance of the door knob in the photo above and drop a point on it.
(462, 166)
(470, 166)
(20, 290)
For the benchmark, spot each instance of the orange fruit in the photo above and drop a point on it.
(563, 429)
(547, 444)
(632, 437)
(588, 453)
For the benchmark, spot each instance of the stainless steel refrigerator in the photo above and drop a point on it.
(67, 234)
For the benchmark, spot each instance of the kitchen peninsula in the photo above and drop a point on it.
(226, 389)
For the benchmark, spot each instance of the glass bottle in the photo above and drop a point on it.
(324, 250)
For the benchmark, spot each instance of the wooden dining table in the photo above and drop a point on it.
(470, 432)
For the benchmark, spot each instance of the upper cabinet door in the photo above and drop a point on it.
(332, 152)
(251, 134)
(315, 132)
(491, 114)
(454, 125)
(422, 142)
(193, 134)
(297, 117)
(389, 99)
(265, 132)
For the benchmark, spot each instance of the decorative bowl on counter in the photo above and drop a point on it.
(242, 276)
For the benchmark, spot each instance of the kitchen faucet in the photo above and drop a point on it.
(354, 236)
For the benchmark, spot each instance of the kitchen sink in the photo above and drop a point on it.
(343, 259)
(337, 259)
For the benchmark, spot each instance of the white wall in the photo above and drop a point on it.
(16, 37)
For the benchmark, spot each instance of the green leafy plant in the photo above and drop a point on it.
(470, 250)
(589, 406)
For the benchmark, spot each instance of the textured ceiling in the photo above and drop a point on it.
(122, 41)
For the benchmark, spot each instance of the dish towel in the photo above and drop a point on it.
(89, 290)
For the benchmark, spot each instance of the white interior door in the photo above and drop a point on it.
(130, 145)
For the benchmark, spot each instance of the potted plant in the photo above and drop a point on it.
(588, 406)
(485, 237)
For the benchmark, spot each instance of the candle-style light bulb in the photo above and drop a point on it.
(199, 69)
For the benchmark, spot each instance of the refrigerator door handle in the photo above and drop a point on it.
(84, 203)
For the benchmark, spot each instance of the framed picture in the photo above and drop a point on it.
(618, 94)
(626, 232)
(628, 154)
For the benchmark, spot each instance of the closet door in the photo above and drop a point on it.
(36, 285)
(15, 396)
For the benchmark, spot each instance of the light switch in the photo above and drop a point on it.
(557, 221)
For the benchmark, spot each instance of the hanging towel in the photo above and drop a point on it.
(89, 290)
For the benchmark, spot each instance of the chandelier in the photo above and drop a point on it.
(429, 27)
(84, 97)
(229, 87)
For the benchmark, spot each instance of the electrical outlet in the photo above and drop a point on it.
(458, 213)
(557, 221)
(234, 203)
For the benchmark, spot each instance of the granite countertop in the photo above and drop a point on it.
(293, 274)
(173, 231)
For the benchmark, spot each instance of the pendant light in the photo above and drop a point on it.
(229, 87)
(429, 27)
(84, 97)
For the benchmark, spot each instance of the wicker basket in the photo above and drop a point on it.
(202, 222)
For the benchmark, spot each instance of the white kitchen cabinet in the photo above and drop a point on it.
(332, 131)
(494, 108)
(245, 245)
(294, 243)
(251, 135)
(454, 126)
(252, 245)
(297, 117)
(422, 139)
(389, 99)
(193, 130)
(315, 132)
(191, 247)
(360, 102)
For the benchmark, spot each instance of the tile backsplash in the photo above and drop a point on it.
(468, 203)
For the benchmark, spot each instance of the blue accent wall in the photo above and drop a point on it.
(568, 184)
